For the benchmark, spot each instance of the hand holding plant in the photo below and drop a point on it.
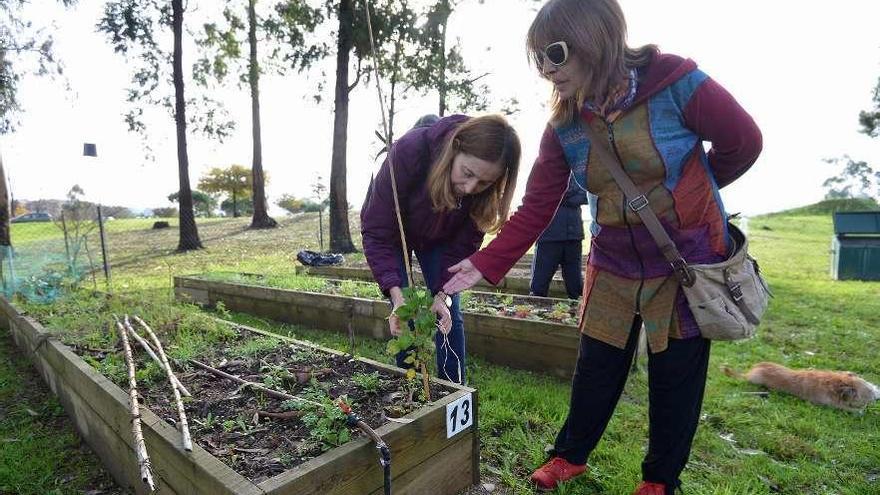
(440, 309)
(397, 301)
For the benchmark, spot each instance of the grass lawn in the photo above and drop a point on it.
(745, 443)
(40, 452)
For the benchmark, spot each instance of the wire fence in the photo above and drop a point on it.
(49, 257)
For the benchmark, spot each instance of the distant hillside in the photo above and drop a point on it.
(832, 205)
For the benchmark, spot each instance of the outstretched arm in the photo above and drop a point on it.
(547, 184)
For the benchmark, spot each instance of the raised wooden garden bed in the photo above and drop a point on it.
(425, 459)
(517, 283)
(520, 343)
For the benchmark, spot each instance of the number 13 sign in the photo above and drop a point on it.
(459, 415)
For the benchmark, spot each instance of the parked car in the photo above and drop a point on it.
(32, 217)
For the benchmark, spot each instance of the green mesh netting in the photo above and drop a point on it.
(43, 267)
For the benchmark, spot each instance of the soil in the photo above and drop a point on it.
(221, 413)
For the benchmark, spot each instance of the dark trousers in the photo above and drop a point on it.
(676, 381)
(550, 255)
(451, 347)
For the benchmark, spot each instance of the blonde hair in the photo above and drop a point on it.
(488, 138)
(595, 31)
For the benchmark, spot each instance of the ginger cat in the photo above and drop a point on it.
(840, 389)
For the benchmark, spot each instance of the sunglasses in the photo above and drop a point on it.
(556, 53)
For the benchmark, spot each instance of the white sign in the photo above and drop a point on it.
(459, 415)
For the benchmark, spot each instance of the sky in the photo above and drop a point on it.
(803, 70)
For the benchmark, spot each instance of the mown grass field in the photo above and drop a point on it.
(746, 444)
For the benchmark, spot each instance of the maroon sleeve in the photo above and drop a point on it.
(545, 188)
(379, 228)
(716, 116)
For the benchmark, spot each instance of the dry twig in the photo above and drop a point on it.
(181, 412)
(146, 346)
(254, 385)
(140, 446)
(280, 415)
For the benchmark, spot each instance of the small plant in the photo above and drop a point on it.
(286, 459)
(326, 422)
(228, 425)
(304, 354)
(416, 339)
(209, 421)
(522, 310)
(150, 373)
(254, 347)
(506, 300)
(562, 312)
(369, 382)
(276, 377)
(243, 425)
(262, 400)
(349, 288)
(220, 308)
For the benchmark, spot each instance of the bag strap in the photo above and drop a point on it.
(638, 203)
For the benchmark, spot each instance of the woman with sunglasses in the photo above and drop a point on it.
(655, 110)
(455, 179)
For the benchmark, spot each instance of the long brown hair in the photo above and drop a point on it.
(488, 138)
(595, 31)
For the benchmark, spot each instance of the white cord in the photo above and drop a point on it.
(448, 348)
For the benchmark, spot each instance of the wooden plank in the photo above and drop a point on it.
(540, 333)
(192, 295)
(554, 360)
(448, 471)
(354, 468)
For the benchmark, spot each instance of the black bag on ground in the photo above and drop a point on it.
(314, 258)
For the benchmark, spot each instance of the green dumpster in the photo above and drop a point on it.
(855, 247)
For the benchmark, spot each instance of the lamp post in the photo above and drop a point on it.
(90, 149)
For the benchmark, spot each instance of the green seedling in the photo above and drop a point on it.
(369, 382)
(418, 338)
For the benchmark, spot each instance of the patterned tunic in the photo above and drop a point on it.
(659, 139)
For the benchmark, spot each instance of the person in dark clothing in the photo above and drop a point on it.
(561, 245)
(455, 180)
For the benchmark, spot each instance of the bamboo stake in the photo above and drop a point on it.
(146, 347)
(181, 412)
(426, 383)
(140, 446)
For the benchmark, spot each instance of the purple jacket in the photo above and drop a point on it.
(414, 154)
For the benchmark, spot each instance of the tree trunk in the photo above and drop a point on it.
(261, 218)
(234, 205)
(441, 86)
(340, 236)
(189, 233)
(5, 238)
(393, 97)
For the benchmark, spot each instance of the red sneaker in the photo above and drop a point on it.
(649, 488)
(555, 470)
